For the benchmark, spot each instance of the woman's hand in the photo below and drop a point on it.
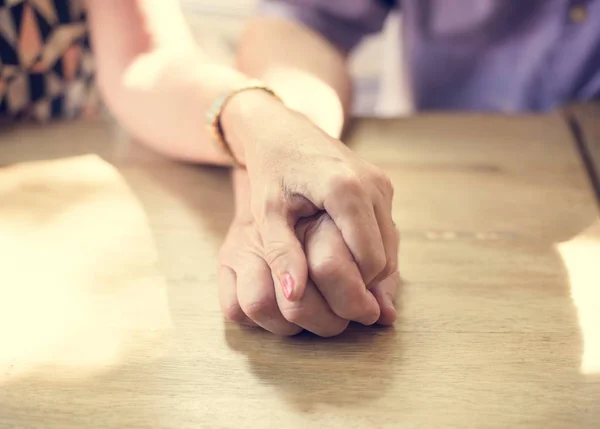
(296, 171)
(248, 297)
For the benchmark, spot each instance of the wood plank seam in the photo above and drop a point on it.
(586, 156)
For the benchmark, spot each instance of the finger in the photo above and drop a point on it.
(390, 238)
(282, 250)
(228, 297)
(351, 208)
(333, 270)
(386, 293)
(312, 313)
(256, 297)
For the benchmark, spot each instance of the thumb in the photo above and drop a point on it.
(285, 256)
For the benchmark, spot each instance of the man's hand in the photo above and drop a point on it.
(296, 170)
(332, 268)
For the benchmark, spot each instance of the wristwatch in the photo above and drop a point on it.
(213, 116)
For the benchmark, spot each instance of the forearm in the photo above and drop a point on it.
(308, 72)
(155, 79)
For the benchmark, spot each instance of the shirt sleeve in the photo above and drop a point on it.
(343, 22)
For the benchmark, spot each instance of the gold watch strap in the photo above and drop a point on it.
(213, 116)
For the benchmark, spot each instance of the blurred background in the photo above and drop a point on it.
(377, 66)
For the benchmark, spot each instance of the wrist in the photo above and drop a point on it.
(245, 116)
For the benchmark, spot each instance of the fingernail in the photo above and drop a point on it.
(287, 284)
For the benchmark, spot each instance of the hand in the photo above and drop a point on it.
(295, 171)
(333, 270)
(248, 297)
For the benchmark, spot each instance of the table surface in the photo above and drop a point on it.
(108, 298)
(585, 123)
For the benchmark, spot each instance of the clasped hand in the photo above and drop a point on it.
(315, 246)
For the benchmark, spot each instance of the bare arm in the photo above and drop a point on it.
(154, 78)
(307, 71)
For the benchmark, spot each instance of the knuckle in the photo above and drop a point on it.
(325, 269)
(385, 184)
(261, 308)
(235, 313)
(275, 254)
(379, 262)
(391, 267)
(353, 308)
(346, 182)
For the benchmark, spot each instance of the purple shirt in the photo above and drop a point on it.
(494, 55)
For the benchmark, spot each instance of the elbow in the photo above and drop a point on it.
(121, 84)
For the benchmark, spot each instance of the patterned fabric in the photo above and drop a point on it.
(46, 65)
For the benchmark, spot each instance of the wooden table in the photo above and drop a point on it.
(500, 307)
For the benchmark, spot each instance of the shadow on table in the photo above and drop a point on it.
(355, 368)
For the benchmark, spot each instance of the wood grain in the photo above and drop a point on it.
(500, 237)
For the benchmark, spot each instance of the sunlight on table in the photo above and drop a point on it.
(78, 285)
(581, 256)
